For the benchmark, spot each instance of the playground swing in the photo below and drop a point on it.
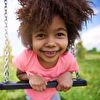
(8, 85)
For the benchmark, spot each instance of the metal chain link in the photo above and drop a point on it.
(73, 50)
(6, 48)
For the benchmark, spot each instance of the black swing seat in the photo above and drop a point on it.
(25, 85)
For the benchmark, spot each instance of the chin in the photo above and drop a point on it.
(51, 60)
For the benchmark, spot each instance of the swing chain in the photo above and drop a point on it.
(6, 49)
(73, 50)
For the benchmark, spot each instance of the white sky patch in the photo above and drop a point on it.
(96, 10)
(13, 25)
(91, 39)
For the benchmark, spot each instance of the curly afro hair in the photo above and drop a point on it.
(38, 14)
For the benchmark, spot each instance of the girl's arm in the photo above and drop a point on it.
(22, 75)
(37, 82)
(65, 81)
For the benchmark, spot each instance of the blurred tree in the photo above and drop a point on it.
(80, 50)
(93, 50)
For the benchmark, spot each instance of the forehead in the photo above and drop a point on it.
(56, 24)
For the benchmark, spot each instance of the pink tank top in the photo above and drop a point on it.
(27, 62)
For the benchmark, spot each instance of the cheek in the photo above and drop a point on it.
(36, 45)
(64, 44)
(65, 47)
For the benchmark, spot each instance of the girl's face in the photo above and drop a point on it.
(50, 44)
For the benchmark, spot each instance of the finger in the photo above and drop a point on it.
(40, 88)
(62, 88)
(58, 87)
(37, 88)
(65, 89)
(44, 86)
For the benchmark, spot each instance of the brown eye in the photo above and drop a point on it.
(40, 36)
(60, 34)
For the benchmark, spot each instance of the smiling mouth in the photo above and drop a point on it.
(50, 53)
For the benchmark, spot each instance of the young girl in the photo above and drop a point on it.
(48, 30)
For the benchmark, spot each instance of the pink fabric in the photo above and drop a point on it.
(27, 62)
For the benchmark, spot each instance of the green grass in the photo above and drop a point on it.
(89, 70)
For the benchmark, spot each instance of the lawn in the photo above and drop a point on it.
(89, 70)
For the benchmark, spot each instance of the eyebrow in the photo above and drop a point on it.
(55, 30)
(61, 29)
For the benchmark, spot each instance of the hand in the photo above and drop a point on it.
(65, 82)
(37, 82)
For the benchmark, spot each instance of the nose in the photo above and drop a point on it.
(50, 42)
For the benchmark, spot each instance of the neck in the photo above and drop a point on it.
(47, 65)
